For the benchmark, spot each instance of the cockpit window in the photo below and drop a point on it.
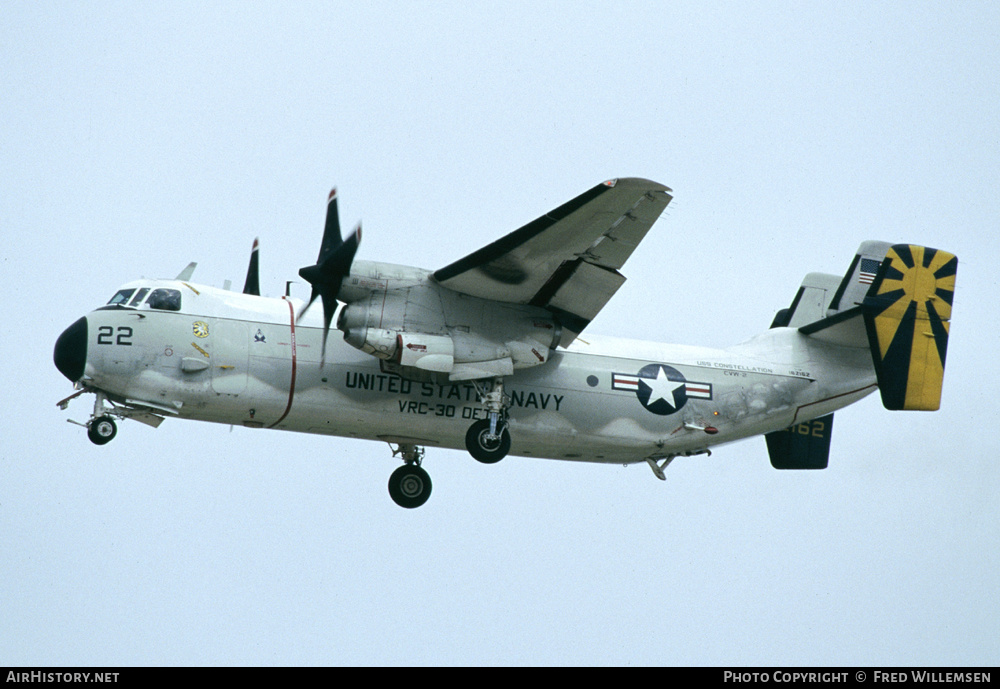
(139, 296)
(165, 299)
(121, 297)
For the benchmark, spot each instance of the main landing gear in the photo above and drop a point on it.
(488, 440)
(410, 485)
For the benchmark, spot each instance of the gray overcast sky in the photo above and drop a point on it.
(134, 140)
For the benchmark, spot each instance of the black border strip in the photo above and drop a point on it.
(830, 321)
(519, 236)
(835, 302)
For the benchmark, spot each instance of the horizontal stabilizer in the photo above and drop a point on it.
(845, 329)
(810, 303)
(907, 315)
(802, 446)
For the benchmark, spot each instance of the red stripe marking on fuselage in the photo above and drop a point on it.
(291, 384)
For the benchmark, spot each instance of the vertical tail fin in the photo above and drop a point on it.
(907, 314)
(802, 446)
(857, 282)
(824, 296)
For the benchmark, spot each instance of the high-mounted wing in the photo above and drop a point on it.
(566, 261)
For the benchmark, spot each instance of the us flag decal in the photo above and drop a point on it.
(869, 267)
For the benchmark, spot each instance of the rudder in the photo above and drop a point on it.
(907, 314)
(802, 446)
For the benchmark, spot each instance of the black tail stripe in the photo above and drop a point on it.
(939, 332)
(948, 269)
(905, 254)
(892, 273)
(885, 301)
(946, 295)
(897, 361)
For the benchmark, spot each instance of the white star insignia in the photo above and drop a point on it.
(661, 388)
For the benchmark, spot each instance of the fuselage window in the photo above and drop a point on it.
(139, 296)
(165, 299)
(121, 297)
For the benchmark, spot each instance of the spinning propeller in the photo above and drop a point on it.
(332, 266)
(252, 284)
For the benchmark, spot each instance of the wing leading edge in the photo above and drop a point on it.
(566, 261)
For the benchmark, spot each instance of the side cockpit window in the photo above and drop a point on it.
(165, 300)
(139, 296)
(121, 297)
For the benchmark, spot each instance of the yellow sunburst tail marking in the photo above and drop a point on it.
(908, 313)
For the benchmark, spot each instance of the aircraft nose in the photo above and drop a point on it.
(70, 354)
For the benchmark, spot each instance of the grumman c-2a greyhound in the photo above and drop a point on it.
(485, 353)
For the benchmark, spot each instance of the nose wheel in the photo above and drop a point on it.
(102, 430)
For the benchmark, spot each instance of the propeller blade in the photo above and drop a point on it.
(305, 308)
(331, 232)
(329, 307)
(343, 257)
(332, 266)
(252, 285)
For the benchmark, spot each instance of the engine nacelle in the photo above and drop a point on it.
(419, 350)
(426, 352)
(378, 342)
(424, 327)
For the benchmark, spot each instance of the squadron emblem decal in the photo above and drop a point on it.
(908, 314)
(200, 329)
(661, 389)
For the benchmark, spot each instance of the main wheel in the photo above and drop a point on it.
(409, 486)
(102, 430)
(480, 446)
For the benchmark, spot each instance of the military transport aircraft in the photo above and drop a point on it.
(486, 353)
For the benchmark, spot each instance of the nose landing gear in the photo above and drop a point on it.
(102, 430)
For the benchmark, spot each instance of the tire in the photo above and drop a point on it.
(483, 450)
(102, 430)
(409, 486)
